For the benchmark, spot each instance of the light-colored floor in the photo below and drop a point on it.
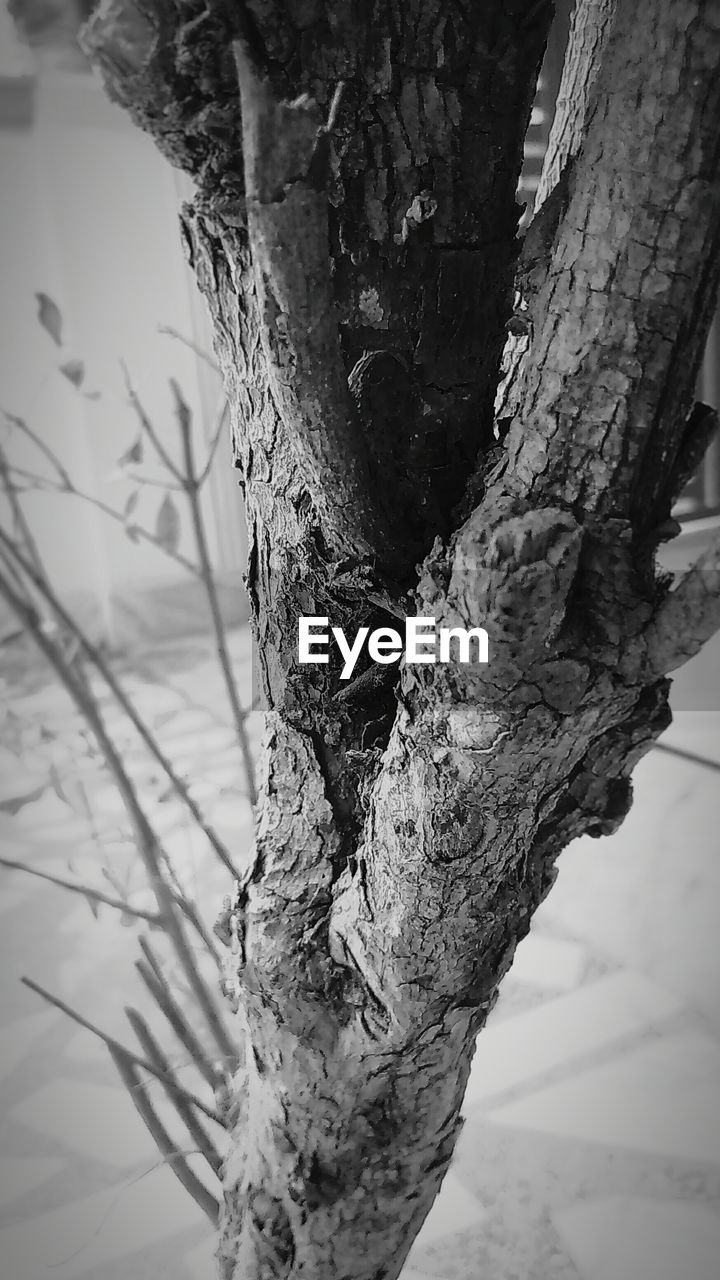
(591, 1146)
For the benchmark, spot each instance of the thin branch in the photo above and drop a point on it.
(18, 515)
(18, 582)
(95, 895)
(192, 916)
(161, 1137)
(148, 428)
(192, 346)
(159, 989)
(48, 453)
(153, 482)
(112, 1043)
(189, 910)
(174, 898)
(152, 960)
(36, 483)
(691, 756)
(148, 844)
(48, 486)
(97, 658)
(208, 580)
(154, 1053)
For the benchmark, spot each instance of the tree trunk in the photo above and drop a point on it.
(396, 403)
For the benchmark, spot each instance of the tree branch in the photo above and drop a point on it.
(619, 323)
(286, 160)
(590, 26)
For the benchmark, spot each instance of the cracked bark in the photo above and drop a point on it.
(357, 248)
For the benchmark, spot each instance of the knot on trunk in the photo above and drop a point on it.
(511, 574)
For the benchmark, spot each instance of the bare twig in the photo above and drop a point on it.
(112, 1043)
(148, 844)
(208, 581)
(154, 1054)
(153, 482)
(149, 429)
(193, 917)
(192, 346)
(152, 960)
(96, 657)
(18, 515)
(159, 988)
(161, 1137)
(95, 895)
(138, 531)
(48, 453)
(691, 756)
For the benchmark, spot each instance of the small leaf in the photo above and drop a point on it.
(131, 503)
(167, 525)
(74, 371)
(133, 455)
(50, 317)
(92, 905)
(132, 532)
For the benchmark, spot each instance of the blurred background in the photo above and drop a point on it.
(89, 217)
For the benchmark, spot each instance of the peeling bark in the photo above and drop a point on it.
(355, 235)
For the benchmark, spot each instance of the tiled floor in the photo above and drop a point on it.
(591, 1149)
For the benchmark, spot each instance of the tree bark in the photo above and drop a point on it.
(355, 235)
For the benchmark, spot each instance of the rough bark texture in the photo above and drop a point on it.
(354, 233)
